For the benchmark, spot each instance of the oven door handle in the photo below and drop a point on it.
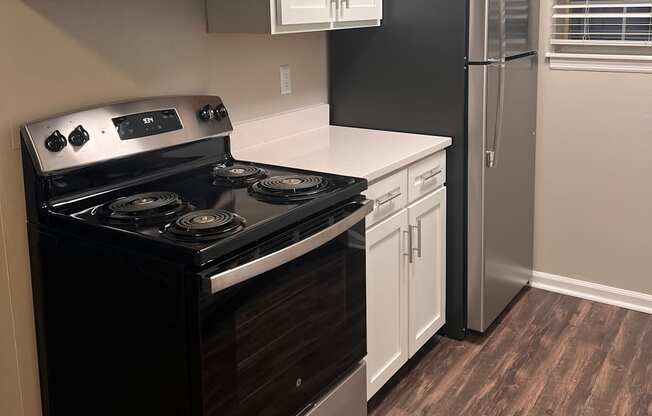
(237, 275)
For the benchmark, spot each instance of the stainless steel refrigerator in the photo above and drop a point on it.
(502, 108)
(465, 69)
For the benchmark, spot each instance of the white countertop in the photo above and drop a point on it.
(369, 154)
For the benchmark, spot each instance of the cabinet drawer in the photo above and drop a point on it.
(389, 195)
(426, 175)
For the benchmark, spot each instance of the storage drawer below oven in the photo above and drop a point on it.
(347, 398)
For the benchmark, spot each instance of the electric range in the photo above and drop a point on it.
(171, 279)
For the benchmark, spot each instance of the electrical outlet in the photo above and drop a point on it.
(286, 80)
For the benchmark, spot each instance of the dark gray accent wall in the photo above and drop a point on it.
(410, 75)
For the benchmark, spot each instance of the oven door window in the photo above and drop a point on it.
(273, 343)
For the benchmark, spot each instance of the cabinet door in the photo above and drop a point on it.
(387, 296)
(296, 12)
(427, 271)
(354, 10)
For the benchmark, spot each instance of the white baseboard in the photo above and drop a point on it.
(627, 299)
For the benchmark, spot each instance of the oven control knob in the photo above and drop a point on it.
(207, 113)
(79, 136)
(55, 142)
(220, 112)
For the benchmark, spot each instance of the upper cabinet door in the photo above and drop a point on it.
(355, 10)
(297, 12)
(427, 279)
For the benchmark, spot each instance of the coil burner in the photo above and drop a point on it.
(288, 189)
(237, 176)
(142, 209)
(204, 225)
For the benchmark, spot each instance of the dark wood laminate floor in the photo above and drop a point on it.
(548, 355)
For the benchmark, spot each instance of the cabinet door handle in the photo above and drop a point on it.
(417, 248)
(408, 235)
(432, 174)
(341, 6)
(389, 197)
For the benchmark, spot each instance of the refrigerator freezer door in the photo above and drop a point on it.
(501, 198)
(512, 24)
(521, 26)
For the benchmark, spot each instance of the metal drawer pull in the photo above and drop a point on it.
(232, 277)
(432, 174)
(389, 197)
(418, 228)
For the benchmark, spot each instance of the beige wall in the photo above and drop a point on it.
(594, 175)
(57, 56)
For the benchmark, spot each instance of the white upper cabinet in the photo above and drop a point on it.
(357, 10)
(301, 12)
(290, 16)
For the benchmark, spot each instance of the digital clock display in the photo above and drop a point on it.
(135, 126)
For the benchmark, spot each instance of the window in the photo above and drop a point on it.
(602, 35)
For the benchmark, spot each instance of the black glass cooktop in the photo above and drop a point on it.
(210, 211)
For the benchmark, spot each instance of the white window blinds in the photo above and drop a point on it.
(621, 26)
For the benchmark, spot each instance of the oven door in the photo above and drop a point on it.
(278, 331)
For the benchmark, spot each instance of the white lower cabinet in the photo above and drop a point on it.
(406, 285)
(427, 271)
(387, 300)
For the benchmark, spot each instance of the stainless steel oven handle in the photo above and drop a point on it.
(232, 277)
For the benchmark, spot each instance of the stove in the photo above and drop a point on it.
(198, 284)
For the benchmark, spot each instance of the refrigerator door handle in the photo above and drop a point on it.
(492, 153)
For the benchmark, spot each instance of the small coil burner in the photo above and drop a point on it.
(205, 225)
(142, 209)
(288, 189)
(237, 176)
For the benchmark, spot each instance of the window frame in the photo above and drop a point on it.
(595, 45)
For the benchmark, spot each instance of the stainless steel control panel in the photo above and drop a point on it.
(96, 135)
